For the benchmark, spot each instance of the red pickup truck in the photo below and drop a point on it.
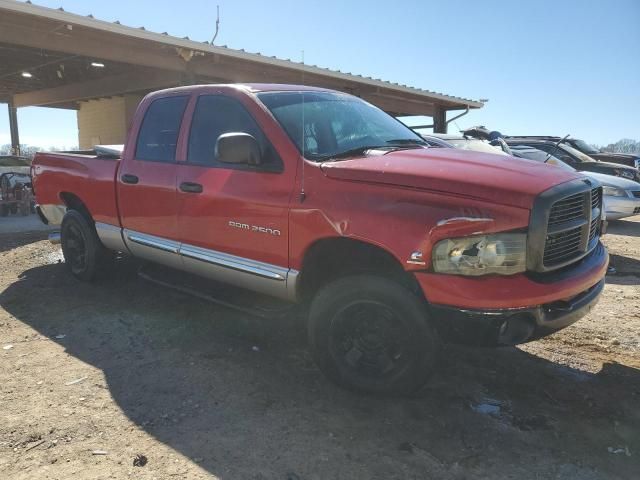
(319, 198)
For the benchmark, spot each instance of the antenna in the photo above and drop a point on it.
(303, 194)
(217, 24)
(555, 147)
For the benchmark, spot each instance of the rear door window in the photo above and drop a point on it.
(158, 136)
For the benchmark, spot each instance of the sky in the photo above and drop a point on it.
(547, 67)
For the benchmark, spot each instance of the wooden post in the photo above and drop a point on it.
(439, 120)
(13, 128)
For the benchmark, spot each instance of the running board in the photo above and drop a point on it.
(225, 295)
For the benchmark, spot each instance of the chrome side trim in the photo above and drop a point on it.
(280, 282)
(154, 242)
(292, 285)
(260, 277)
(111, 236)
(241, 264)
(53, 213)
(152, 248)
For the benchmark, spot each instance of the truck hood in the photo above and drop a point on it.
(494, 178)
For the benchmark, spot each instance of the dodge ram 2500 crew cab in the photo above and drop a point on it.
(317, 197)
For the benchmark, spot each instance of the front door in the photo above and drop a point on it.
(233, 219)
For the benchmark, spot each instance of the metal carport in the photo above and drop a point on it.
(54, 58)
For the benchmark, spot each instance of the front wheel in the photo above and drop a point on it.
(83, 253)
(371, 334)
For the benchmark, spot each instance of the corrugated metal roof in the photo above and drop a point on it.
(164, 38)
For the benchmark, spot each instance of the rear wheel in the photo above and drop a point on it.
(83, 253)
(371, 334)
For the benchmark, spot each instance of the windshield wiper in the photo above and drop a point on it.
(408, 141)
(351, 152)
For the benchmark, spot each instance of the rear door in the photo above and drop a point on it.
(233, 219)
(147, 198)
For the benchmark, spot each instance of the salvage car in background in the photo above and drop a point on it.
(628, 159)
(575, 158)
(561, 148)
(621, 196)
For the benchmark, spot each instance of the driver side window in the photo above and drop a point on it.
(218, 114)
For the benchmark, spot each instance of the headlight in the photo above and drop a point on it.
(501, 253)
(614, 192)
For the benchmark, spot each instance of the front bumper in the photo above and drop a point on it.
(621, 207)
(512, 326)
(507, 310)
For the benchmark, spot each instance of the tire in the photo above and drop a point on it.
(371, 334)
(84, 254)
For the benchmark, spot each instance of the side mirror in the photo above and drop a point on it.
(238, 148)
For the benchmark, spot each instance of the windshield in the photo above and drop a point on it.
(334, 123)
(475, 146)
(540, 156)
(576, 153)
(584, 147)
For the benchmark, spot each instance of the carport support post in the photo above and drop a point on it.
(13, 128)
(439, 120)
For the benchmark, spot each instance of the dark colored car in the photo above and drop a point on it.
(574, 157)
(628, 159)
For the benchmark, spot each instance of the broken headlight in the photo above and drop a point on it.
(501, 253)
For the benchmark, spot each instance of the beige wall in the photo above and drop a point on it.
(105, 121)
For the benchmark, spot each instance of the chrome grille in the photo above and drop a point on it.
(573, 227)
(594, 230)
(596, 198)
(636, 193)
(562, 246)
(567, 209)
(564, 225)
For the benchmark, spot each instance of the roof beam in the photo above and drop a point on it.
(92, 44)
(104, 87)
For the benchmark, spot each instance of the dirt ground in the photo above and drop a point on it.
(93, 376)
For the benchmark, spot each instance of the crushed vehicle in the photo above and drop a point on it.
(621, 197)
(320, 200)
(464, 142)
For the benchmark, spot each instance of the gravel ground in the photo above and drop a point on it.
(123, 379)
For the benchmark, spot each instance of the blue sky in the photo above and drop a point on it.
(547, 67)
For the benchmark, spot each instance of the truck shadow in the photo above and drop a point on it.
(624, 227)
(627, 270)
(240, 395)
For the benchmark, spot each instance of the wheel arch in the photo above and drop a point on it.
(331, 258)
(73, 202)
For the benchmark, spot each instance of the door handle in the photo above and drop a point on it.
(191, 187)
(128, 178)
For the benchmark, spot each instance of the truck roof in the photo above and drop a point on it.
(249, 87)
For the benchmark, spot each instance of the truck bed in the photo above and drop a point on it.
(59, 176)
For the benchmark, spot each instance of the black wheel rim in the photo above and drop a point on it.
(75, 248)
(368, 338)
